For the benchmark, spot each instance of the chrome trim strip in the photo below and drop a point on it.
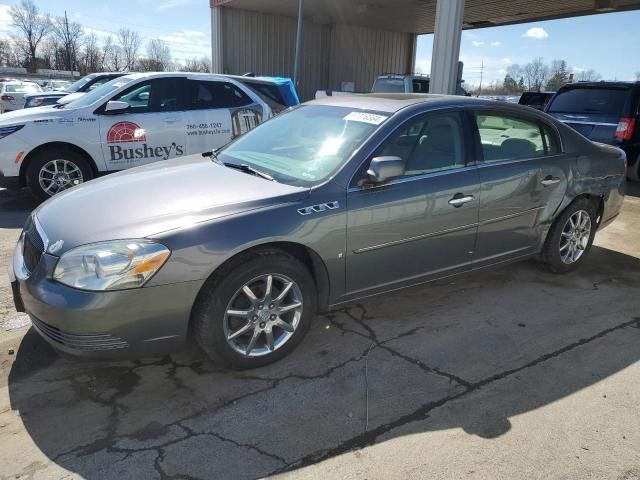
(511, 215)
(412, 239)
(413, 178)
(599, 124)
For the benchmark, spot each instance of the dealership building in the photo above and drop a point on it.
(345, 44)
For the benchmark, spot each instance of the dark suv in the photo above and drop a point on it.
(607, 112)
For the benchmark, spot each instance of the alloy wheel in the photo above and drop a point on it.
(58, 175)
(574, 238)
(263, 315)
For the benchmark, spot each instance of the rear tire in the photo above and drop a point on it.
(223, 310)
(56, 169)
(570, 237)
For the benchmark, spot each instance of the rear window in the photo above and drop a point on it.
(608, 101)
(388, 85)
(22, 88)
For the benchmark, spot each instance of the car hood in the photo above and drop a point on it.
(25, 115)
(148, 200)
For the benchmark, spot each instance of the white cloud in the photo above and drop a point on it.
(496, 44)
(507, 60)
(168, 4)
(476, 43)
(578, 69)
(192, 33)
(173, 39)
(5, 20)
(423, 66)
(536, 32)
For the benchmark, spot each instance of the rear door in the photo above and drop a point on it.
(423, 224)
(217, 111)
(593, 111)
(523, 178)
(152, 129)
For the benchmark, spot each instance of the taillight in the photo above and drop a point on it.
(624, 131)
(6, 97)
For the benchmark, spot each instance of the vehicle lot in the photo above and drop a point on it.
(508, 373)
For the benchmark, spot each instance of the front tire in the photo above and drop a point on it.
(570, 237)
(54, 170)
(256, 311)
(634, 170)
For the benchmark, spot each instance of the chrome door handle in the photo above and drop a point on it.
(458, 201)
(550, 181)
(170, 120)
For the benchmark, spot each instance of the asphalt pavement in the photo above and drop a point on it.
(501, 374)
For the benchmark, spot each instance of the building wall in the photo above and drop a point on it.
(331, 54)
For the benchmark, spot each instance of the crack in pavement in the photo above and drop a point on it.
(369, 437)
(360, 320)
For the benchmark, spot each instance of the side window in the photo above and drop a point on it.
(159, 95)
(420, 86)
(207, 95)
(551, 144)
(506, 138)
(428, 143)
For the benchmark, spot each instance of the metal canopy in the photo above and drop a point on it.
(417, 16)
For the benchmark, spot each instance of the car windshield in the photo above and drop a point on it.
(100, 93)
(76, 86)
(305, 146)
(589, 100)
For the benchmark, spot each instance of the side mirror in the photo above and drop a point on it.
(383, 169)
(116, 106)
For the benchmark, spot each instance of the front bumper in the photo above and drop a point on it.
(115, 324)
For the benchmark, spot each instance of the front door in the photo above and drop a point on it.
(152, 129)
(423, 224)
(522, 181)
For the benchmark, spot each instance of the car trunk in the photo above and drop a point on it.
(593, 111)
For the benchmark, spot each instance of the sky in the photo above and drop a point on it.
(605, 43)
(184, 24)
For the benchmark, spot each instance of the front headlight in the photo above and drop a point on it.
(114, 265)
(4, 131)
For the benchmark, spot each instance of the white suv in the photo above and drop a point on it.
(130, 121)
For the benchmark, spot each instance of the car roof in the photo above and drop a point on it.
(392, 102)
(603, 83)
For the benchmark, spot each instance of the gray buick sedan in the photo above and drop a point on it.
(336, 200)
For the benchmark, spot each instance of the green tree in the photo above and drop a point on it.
(510, 86)
(559, 75)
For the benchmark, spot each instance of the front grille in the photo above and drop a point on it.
(32, 246)
(79, 342)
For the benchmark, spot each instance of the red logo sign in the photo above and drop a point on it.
(124, 132)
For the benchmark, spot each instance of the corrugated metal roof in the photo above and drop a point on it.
(417, 16)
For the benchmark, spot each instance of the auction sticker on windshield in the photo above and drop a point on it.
(372, 118)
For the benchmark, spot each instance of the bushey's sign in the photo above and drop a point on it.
(129, 132)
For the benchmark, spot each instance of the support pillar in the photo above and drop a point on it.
(217, 55)
(446, 47)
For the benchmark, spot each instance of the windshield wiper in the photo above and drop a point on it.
(243, 167)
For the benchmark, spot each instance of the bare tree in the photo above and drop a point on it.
(6, 53)
(129, 43)
(196, 65)
(112, 57)
(31, 26)
(158, 57)
(587, 76)
(536, 74)
(91, 57)
(69, 35)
